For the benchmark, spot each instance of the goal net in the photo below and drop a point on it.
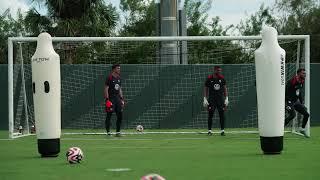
(162, 81)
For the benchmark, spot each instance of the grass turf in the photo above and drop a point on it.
(174, 156)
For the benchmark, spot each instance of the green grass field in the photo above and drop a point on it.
(174, 156)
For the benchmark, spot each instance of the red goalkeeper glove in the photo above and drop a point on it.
(109, 106)
(122, 102)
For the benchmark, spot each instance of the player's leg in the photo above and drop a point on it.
(118, 110)
(291, 114)
(211, 109)
(109, 110)
(222, 118)
(119, 121)
(302, 110)
(108, 122)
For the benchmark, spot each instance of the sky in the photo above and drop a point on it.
(229, 11)
(232, 11)
(14, 5)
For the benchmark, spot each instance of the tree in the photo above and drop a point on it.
(216, 28)
(140, 18)
(253, 24)
(9, 27)
(74, 18)
(302, 17)
(36, 23)
(197, 15)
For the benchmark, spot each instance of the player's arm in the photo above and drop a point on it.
(225, 93)
(121, 93)
(205, 94)
(301, 92)
(106, 92)
(295, 80)
(106, 88)
(301, 98)
(205, 91)
(206, 85)
(121, 96)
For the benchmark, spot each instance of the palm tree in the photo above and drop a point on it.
(73, 18)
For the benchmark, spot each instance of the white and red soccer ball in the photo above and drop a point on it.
(74, 155)
(139, 128)
(152, 177)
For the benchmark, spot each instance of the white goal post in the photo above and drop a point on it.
(12, 131)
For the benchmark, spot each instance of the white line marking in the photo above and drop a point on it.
(131, 139)
(164, 132)
(169, 139)
(119, 169)
(151, 147)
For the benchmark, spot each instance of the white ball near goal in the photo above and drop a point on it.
(152, 177)
(139, 128)
(74, 155)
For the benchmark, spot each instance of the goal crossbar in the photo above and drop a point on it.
(162, 38)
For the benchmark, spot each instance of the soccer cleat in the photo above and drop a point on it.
(222, 133)
(304, 133)
(108, 133)
(118, 134)
(210, 133)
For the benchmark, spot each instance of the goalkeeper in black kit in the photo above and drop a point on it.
(114, 100)
(216, 97)
(294, 100)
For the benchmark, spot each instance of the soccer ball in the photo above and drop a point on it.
(33, 129)
(74, 155)
(139, 128)
(20, 129)
(152, 177)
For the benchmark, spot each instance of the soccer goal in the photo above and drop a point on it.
(163, 80)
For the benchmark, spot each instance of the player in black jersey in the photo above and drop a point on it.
(113, 98)
(294, 100)
(215, 97)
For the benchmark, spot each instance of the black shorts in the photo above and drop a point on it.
(216, 104)
(116, 105)
(290, 105)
